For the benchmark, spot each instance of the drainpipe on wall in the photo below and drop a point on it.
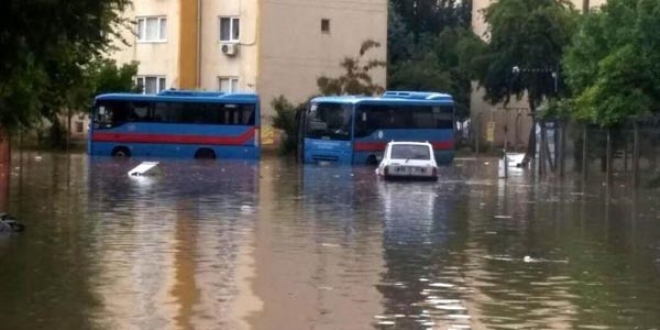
(199, 44)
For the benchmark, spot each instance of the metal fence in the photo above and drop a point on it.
(627, 152)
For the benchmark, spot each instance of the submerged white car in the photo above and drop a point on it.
(408, 160)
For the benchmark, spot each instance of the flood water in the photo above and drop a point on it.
(270, 245)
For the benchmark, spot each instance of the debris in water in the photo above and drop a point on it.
(503, 217)
(444, 301)
(459, 316)
(423, 279)
(451, 307)
(491, 233)
(329, 245)
(386, 322)
(441, 285)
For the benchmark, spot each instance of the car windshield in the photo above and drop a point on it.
(331, 121)
(410, 151)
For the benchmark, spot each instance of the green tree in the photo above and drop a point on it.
(45, 47)
(530, 35)
(439, 63)
(108, 77)
(613, 66)
(424, 17)
(356, 79)
(285, 120)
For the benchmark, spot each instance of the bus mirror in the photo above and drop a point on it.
(364, 116)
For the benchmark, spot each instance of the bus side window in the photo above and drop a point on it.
(160, 112)
(140, 112)
(226, 116)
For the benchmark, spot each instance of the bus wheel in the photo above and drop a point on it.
(121, 152)
(372, 161)
(205, 154)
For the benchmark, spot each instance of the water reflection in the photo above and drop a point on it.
(167, 245)
(274, 245)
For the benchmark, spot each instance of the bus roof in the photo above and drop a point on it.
(182, 95)
(389, 97)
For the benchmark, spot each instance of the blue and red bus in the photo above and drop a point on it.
(176, 123)
(355, 130)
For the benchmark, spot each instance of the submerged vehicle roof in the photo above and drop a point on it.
(182, 96)
(390, 97)
(416, 143)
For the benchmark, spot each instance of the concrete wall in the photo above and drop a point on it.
(282, 49)
(244, 64)
(157, 59)
(294, 51)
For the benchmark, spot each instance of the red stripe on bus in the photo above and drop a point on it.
(380, 146)
(171, 138)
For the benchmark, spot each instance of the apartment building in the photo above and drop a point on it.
(271, 47)
(512, 123)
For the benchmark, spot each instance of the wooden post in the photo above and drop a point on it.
(635, 155)
(477, 133)
(5, 169)
(562, 146)
(68, 128)
(625, 155)
(543, 152)
(608, 157)
(585, 161)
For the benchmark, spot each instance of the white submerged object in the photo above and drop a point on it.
(144, 169)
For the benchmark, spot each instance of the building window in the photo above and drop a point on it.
(230, 29)
(325, 25)
(79, 127)
(152, 29)
(228, 84)
(151, 84)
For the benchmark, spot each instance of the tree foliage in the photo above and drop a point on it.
(426, 48)
(613, 65)
(45, 47)
(285, 120)
(356, 79)
(432, 16)
(106, 76)
(530, 35)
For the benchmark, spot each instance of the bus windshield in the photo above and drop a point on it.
(331, 121)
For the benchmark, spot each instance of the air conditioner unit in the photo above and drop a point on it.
(229, 49)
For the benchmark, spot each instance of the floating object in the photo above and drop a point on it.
(144, 169)
(441, 285)
(10, 224)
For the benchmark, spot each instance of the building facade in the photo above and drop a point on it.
(272, 47)
(512, 123)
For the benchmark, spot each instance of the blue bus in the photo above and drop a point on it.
(355, 129)
(175, 123)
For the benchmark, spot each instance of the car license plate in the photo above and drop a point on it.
(401, 170)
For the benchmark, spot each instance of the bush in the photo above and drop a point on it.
(285, 120)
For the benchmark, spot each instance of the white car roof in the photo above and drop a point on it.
(410, 143)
